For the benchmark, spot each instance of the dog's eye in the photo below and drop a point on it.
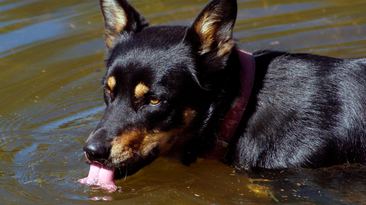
(108, 90)
(154, 100)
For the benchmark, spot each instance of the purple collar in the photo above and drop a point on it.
(235, 114)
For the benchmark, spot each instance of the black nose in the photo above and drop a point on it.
(97, 148)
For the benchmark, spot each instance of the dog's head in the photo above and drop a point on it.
(160, 86)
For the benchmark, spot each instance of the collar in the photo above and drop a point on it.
(235, 114)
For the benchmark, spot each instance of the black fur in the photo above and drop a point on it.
(304, 111)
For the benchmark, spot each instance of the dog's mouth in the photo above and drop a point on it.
(100, 176)
(124, 156)
(127, 153)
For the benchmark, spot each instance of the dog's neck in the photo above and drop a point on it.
(235, 114)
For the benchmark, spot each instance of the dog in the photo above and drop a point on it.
(188, 92)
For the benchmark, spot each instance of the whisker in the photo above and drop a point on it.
(184, 37)
(139, 154)
(125, 175)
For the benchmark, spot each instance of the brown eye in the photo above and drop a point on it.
(154, 100)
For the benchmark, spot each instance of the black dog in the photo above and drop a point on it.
(185, 92)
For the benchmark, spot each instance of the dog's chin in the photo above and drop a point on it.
(125, 170)
(103, 173)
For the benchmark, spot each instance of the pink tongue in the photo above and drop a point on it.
(99, 176)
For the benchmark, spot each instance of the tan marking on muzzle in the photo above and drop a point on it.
(125, 145)
(140, 90)
(141, 143)
(162, 140)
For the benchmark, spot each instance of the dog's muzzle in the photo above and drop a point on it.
(97, 148)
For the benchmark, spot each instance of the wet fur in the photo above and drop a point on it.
(172, 86)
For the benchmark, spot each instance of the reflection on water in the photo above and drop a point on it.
(50, 70)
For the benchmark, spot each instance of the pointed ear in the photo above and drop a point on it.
(119, 16)
(214, 26)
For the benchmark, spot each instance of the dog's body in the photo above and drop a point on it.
(168, 89)
(305, 111)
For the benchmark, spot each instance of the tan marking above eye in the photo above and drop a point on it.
(111, 84)
(140, 90)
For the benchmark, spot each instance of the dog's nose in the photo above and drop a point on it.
(96, 151)
(97, 148)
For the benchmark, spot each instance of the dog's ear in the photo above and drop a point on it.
(214, 26)
(119, 16)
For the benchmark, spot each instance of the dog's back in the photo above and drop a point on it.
(305, 111)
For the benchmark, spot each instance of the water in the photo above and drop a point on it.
(51, 65)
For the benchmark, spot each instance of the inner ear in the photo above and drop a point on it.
(119, 16)
(214, 26)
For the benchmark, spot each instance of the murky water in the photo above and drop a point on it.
(51, 63)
